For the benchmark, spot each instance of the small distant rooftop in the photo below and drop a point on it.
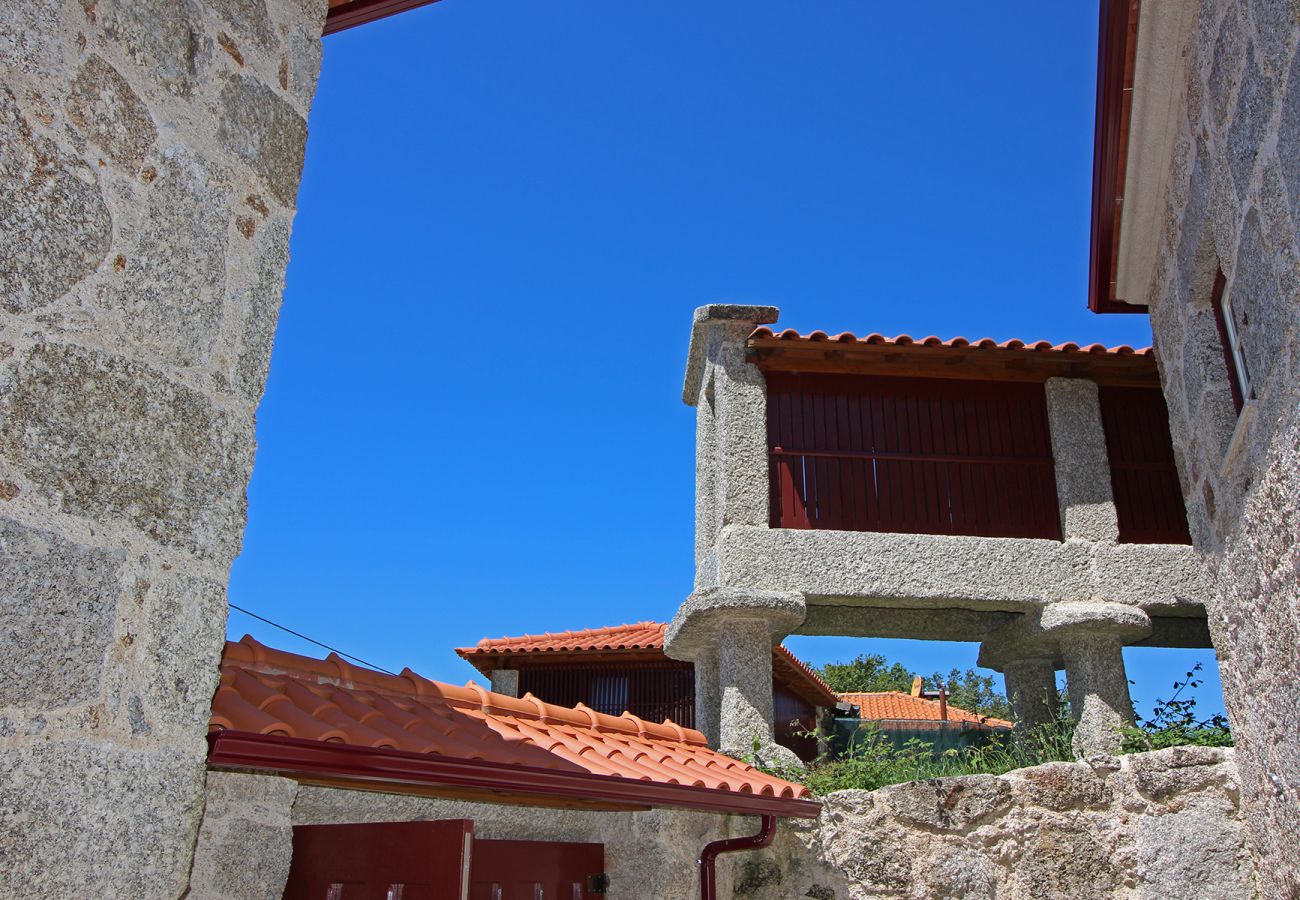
(897, 706)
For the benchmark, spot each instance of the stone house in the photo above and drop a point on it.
(1196, 212)
(623, 667)
(311, 759)
(150, 153)
(1024, 496)
(928, 717)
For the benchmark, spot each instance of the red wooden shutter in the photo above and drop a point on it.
(1143, 473)
(910, 455)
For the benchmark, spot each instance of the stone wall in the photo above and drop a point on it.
(150, 152)
(245, 844)
(1234, 202)
(1161, 825)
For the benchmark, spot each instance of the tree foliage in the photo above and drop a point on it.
(869, 673)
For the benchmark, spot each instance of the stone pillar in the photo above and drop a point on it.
(150, 154)
(732, 632)
(1083, 489)
(505, 681)
(730, 397)
(1098, 687)
(708, 700)
(1031, 690)
(745, 682)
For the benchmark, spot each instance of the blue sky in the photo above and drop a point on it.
(473, 423)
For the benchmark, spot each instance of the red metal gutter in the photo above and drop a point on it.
(711, 852)
(359, 12)
(295, 756)
(1116, 57)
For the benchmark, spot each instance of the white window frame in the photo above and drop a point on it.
(1235, 348)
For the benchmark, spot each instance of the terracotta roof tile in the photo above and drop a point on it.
(272, 692)
(640, 636)
(905, 340)
(895, 705)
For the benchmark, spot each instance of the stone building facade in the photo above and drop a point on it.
(1221, 96)
(150, 153)
(1034, 604)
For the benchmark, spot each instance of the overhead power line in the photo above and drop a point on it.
(299, 634)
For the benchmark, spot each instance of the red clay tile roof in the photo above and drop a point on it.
(900, 706)
(283, 696)
(904, 340)
(787, 667)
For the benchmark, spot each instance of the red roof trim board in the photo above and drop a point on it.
(626, 638)
(1116, 62)
(350, 13)
(327, 720)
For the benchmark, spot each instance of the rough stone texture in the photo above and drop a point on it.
(266, 132)
(647, 854)
(59, 601)
(935, 571)
(1066, 831)
(57, 841)
(1031, 691)
(113, 440)
(506, 681)
(106, 110)
(139, 313)
(1082, 467)
(1099, 700)
(1234, 203)
(745, 684)
(54, 224)
(245, 843)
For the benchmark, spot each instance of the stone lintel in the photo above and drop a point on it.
(867, 620)
(1011, 575)
(697, 623)
(740, 315)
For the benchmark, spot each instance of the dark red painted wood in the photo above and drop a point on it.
(380, 861)
(650, 690)
(390, 770)
(1143, 473)
(913, 455)
(535, 870)
(794, 718)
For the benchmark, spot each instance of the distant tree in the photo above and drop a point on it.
(868, 673)
(972, 692)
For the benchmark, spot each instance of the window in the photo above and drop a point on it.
(1234, 352)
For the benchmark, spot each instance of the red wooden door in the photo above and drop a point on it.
(381, 861)
(536, 870)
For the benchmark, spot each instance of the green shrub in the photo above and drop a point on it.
(873, 761)
(1175, 723)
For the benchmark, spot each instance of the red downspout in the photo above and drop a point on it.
(709, 876)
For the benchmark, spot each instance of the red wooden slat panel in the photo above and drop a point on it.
(1144, 475)
(911, 455)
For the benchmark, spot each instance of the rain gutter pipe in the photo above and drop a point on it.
(711, 852)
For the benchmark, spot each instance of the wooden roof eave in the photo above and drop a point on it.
(971, 363)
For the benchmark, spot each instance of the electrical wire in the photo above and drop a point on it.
(298, 634)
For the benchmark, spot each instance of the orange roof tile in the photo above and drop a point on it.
(791, 670)
(905, 340)
(896, 705)
(282, 696)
